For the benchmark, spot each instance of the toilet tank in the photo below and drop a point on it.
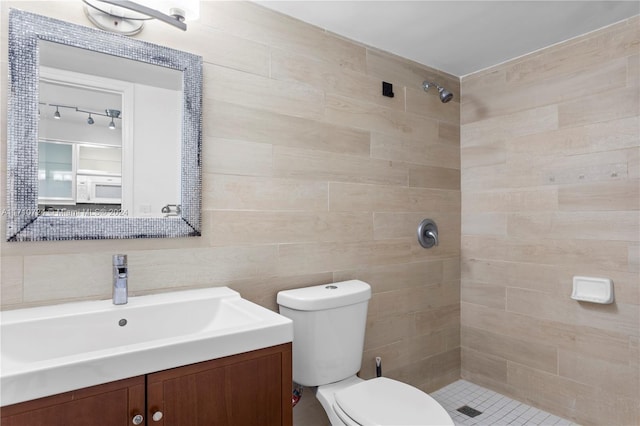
(329, 322)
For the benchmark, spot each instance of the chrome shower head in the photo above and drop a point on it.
(445, 95)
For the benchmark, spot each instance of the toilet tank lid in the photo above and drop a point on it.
(325, 296)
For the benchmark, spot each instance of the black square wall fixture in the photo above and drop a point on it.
(387, 89)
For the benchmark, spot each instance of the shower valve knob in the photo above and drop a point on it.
(433, 236)
(428, 233)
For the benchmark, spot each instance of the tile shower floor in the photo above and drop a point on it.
(496, 408)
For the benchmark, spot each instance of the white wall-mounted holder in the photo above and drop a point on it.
(594, 290)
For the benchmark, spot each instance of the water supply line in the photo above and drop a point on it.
(296, 394)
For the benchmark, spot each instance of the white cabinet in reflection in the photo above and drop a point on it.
(56, 173)
(75, 176)
(99, 160)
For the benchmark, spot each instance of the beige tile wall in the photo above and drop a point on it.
(310, 176)
(550, 189)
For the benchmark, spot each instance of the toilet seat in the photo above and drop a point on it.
(382, 401)
(344, 417)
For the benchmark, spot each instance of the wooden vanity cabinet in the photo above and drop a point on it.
(252, 388)
(110, 404)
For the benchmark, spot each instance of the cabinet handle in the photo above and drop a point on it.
(137, 419)
(157, 416)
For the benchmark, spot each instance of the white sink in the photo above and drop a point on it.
(54, 349)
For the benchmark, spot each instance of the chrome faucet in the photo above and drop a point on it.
(120, 275)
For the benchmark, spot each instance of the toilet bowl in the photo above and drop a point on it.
(379, 401)
(328, 338)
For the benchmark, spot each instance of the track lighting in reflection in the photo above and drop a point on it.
(111, 113)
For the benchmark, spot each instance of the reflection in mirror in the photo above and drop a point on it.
(104, 135)
(79, 150)
(121, 125)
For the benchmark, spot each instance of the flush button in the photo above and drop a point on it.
(331, 287)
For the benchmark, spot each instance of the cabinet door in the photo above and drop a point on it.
(250, 389)
(56, 175)
(111, 404)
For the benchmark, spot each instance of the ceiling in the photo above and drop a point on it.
(458, 37)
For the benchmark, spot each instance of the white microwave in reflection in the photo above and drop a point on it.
(99, 189)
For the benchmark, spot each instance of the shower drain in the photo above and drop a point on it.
(471, 412)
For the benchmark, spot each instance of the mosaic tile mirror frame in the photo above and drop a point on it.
(24, 221)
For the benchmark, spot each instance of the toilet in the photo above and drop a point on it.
(329, 323)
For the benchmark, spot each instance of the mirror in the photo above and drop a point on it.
(104, 135)
(117, 127)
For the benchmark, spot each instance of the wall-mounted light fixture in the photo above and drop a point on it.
(127, 17)
(109, 112)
